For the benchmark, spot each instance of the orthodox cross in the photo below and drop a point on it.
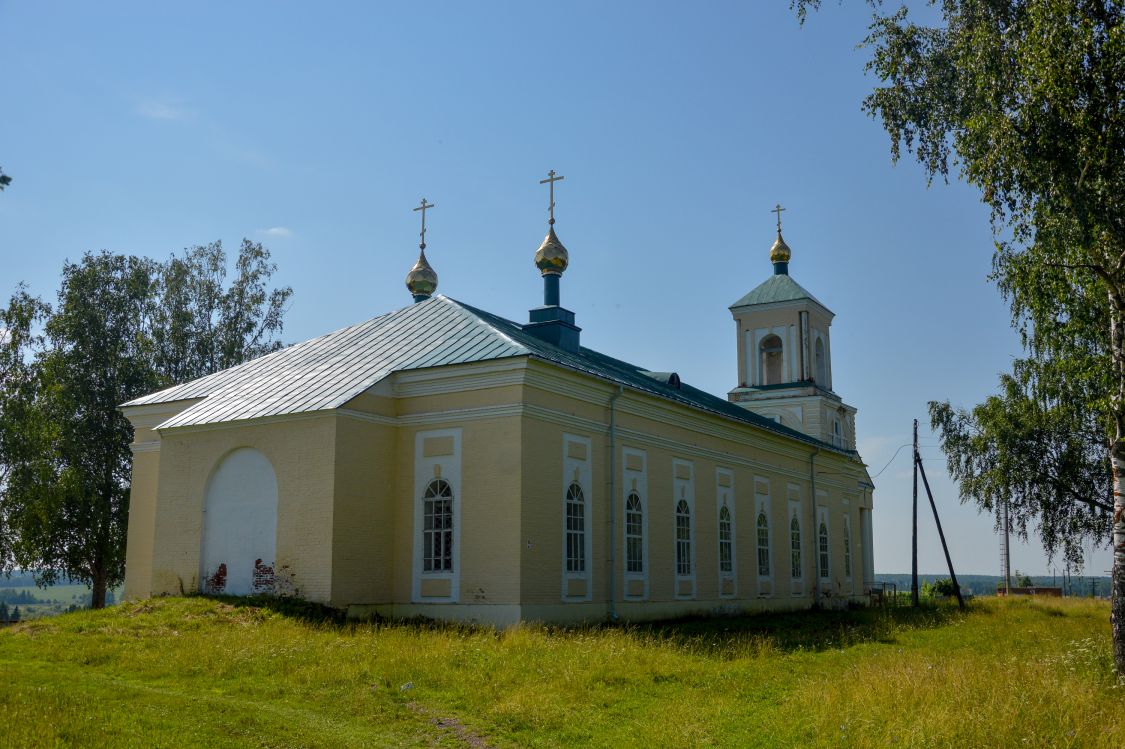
(776, 209)
(551, 180)
(422, 207)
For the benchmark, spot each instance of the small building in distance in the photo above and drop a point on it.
(439, 460)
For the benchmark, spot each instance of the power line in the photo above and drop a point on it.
(888, 465)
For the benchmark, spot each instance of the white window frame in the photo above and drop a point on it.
(577, 471)
(725, 496)
(426, 469)
(684, 489)
(634, 481)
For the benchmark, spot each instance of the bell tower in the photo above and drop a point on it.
(785, 356)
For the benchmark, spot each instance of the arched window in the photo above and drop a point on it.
(634, 534)
(795, 548)
(821, 364)
(770, 352)
(575, 529)
(437, 529)
(822, 535)
(847, 547)
(763, 545)
(683, 538)
(726, 542)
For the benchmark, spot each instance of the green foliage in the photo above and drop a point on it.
(123, 326)
(1023, 99)
(200, 672)
(1045, 459)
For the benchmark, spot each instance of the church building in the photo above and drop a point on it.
(441, 461)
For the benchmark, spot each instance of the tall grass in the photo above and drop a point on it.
(195, 671)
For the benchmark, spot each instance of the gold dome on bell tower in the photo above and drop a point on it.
(780, 252)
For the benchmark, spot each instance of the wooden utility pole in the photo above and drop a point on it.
(941, 534)
(914, 538)
(1006, 551)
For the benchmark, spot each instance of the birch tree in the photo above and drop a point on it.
(1025, 100)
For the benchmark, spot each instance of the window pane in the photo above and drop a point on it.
(634, 540)
(763, 546)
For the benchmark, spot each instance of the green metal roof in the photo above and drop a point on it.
(778, 288)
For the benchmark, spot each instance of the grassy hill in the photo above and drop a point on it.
(195, 671)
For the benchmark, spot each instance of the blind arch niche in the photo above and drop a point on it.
(239, 544)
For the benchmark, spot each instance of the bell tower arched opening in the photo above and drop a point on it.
(772, 361)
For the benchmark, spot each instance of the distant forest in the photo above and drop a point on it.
(985, 585)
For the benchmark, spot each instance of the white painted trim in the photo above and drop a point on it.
(159, 407)
(424, 473)
(684, 489)
(849, 551)
(730, 495)
(575, 470)
(239, 423)
(750, 310)
(634, 481)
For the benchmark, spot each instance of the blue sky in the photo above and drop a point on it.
(315, 128)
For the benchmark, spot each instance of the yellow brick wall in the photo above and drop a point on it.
(142, 520)
(301, 452)
(363, 533)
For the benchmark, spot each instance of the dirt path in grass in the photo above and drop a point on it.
(450, 727)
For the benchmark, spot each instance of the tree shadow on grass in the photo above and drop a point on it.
(722, 636)
(293, 608)
(813, 630)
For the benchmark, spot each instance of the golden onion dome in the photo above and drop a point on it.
(780, 251)
(421, 281)
(551, 257)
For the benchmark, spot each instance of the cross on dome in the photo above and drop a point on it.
(551, 180)
(422, 207)
(778, 209)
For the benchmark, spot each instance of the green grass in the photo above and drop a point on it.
(195, 671)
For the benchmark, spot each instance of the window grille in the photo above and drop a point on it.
(575, 529)
(823, 537)
(634, 534)
(795, 548)
(683, 538)
(763, 545)
(726, 542)
(437, 530)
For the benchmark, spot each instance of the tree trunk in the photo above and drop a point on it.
(1117, 457)
(97, 598)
